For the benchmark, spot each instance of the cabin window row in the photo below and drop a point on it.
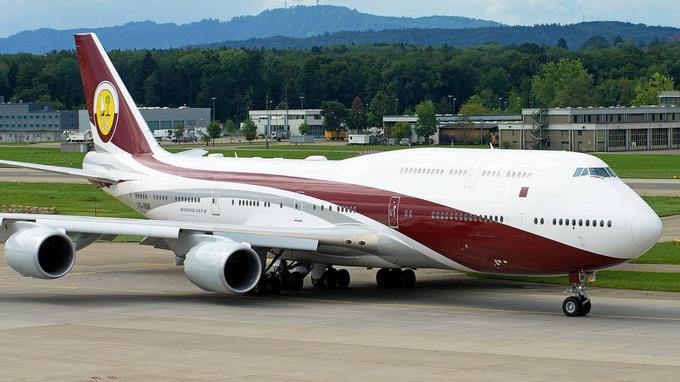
(456, 216)
(252, 203)
(408, 213)
(575, 222)
(432, 171)
(187, 199)
(159, 197)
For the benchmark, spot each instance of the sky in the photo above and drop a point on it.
(19, 15)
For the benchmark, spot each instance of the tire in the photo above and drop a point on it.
(408, 278)
(395, 278)
(343, 278)
(328, 280)
(296, 281)
(585, 307)
(571, 307)
(381, 278)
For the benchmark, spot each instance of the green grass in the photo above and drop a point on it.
(68, 199)
(664, 205)
(651, 281)
(648, 166)
(661, 253)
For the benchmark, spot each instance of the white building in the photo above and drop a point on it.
(285, 123)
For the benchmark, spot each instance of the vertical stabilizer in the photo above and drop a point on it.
(116, 123)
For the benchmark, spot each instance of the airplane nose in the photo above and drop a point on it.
(646, 228)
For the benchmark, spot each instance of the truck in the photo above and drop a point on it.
(361, 139)
(163, 134)
(335, 135)
(78, 136)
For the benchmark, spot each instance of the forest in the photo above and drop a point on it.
(386, 78)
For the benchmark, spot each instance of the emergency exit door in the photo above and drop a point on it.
(393, 212)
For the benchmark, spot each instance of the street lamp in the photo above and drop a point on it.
(302, 103)
(499, 105)
(453, 110)
(213, 108)
(396, 106)
(454, 105)
(269, 123)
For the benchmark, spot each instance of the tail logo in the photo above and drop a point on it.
(106, 110)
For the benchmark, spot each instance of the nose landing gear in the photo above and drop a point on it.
(579, 304)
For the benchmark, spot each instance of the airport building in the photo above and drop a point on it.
(35, 122)
(164, 118)
(594, 129)
(285, 123)
(671, 97)
(457, 129)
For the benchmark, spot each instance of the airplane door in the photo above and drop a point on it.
(299, 207)
(215, 203)
(393, 212)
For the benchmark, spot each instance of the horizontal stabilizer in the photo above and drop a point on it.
(87, 174)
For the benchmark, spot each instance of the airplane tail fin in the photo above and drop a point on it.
(116, 123)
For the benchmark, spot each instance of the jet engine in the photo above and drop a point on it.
(223, 266)
(41, 252)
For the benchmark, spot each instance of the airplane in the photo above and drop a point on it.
(253, 225)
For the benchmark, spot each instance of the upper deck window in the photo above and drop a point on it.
(600, 172)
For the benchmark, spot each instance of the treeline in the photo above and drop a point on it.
(387, 78)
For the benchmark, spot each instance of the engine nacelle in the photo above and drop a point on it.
(38, 251)
(223, 266)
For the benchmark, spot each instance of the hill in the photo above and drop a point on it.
(295, 22)
(574, 34)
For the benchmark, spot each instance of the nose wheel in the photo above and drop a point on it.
(579, 304)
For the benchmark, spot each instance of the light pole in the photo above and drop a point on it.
(499, 105)
(454, 105)
(396, 106)
(213, 108)
(302, 102)
(453, 110)
(269, 123)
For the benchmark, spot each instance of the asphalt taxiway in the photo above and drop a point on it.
(127, 313)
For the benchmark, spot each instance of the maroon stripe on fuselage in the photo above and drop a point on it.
(484, 246)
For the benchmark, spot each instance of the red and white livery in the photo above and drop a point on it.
(491, 211)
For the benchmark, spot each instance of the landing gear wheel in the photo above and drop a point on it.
(382, 278)
(408, 278)
(269, 284)
(585, 307)
(295, 281)
(342, 278)
(329, 279)
(572, 306)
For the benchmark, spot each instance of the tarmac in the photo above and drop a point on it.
(126, 313)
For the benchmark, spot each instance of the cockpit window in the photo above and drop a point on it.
(600, 172)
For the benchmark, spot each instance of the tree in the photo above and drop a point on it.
(151, 97)
(304, 128)
(229, 128)
(178, 132)
(426, 125)
(562, 43)
(205, 138)
(372, 120)
(401, 130)
(384, 103)
(334, 115)
(563, 83)
(595, 42)
(357, 118)
(214, 131)
(647, 93)
(249, 130)
(474, 106)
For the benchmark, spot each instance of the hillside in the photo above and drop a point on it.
(574, 34)
(295, 22)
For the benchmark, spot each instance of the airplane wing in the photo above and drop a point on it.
(193, 153)
(88, 174)
(353, 238)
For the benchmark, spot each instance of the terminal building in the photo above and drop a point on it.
(164, 118)
(457, 129)
(594, 129)
(35, 122)
(285, 123)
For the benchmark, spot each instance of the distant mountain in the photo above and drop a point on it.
(296, 22)
(574, 34)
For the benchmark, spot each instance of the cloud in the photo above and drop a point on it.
(32, 14)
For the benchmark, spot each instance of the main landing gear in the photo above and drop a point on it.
(395, 278)
(327, 277)
(579, 304)
(284, 277)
